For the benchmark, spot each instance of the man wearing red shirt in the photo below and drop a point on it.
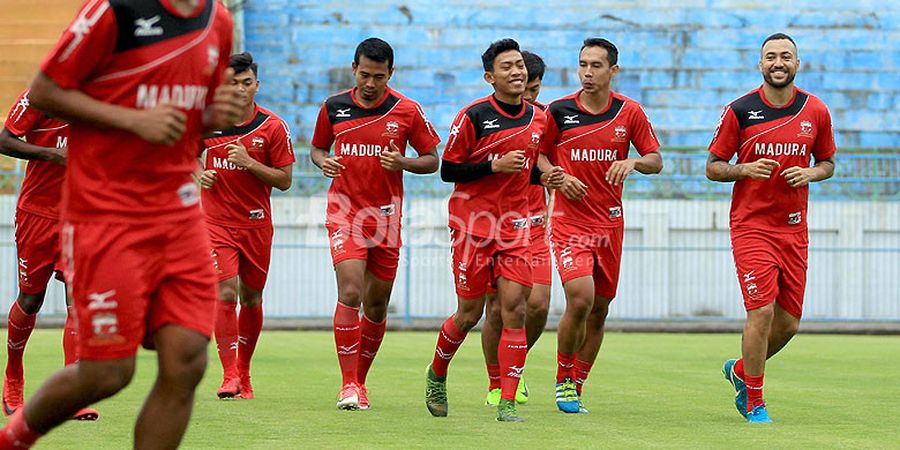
(369, 127)
(774, 130)
(243, 163)
(538, 303)
(489, 156)
(37, 237)
(589, 135)
(139, 82)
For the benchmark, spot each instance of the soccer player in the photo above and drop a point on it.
(37, 238)
(773, 129)
(243, 163)
(588, 134)
(538, 303)
(492, 146)
(369, 127)
(138, 81)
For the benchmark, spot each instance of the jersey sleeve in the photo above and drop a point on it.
(22, 118)
(422, 135)
(726, 141)
(461, 139)
(281, 150)
(643, 138)
(225, 28)
(323, 136)
(550, 138)
(824, 147)
(88, 41)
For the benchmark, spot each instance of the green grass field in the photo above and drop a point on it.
(647, 391)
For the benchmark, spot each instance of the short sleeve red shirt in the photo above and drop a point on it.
(496, 206)
(366, 193)
(137, 55)
(537, 195)
(586, 145)
(238, 198)
(753, 128)
(41, 188)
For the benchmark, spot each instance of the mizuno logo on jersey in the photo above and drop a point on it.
(147, 27)
(571, 120)
(491, 124)
(343, 113)
(755, 115)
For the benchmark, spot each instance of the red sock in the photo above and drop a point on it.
(449, 340)
(582, 369)
(20, 326)
(70, 337)
(512, 353)
(370, 336)
(346, 339)
(754, 391)
(493, 371)
(250, 324)
(17, 433)
(226, 337)
(739, 368)
(564, 366)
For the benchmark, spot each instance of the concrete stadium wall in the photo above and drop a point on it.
(684, 60)
(677, 262)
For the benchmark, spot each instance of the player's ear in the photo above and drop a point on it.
(489, 77)
(614, 69)
(353, 66)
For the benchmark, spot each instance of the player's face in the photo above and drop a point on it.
(247, 85)
(509, 75)
(371, 78)
(532, 90)
(594, 70)
(778, 63)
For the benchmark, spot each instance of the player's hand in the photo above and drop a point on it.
(392, 160)
(58, 155)
(760, 169)
(573, 188)
(163, 124)
(237, 155)
(797, 176)
(226, 108)
(511, 162)
(207, 179)
(332, 166)
(554, 178)
(619, 170)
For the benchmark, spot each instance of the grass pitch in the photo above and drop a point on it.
(646, 391)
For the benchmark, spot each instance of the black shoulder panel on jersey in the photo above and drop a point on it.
(487, 120)
(752, 110)
(147, 23)
(238, 131)
(568, 115)
(342, 108)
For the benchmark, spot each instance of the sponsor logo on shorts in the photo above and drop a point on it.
(566, 260)
(615, 212)
(188, 194)
(750, 285)
(388, 210)
(462, 281)
(537, 220)
(520, 224)
(795, 218)
(257, 214)
(337, 241)
(23, 272)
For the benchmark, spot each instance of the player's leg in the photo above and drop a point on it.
(181, 353)
(226, 331)
(570, 337)
(512, 294)
(595, 328)
(20, 324)
(350, 275)
(536, 311)
(379, 282)
(70, 352)
(250, 323)
(490, 340)
(791, 289)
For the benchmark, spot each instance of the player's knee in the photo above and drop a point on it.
(30, 303)
(538, 306)
(350, 295)
(105, 379)
(579, 307)
(466, 320)
(251, 298)
(228, 293)
(186, 371)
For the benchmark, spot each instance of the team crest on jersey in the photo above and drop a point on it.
(258, 142)
(535, 139)
(621, 132)
(392, 129)
(806, 129)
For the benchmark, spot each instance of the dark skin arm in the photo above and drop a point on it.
(801, 176)
(717, 169)
(10, 145)
(278, 177)
(648, 164)
(423, 164)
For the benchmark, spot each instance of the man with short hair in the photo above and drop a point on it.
(774, 130)
(589, 135)
(243, 163)
(538, 304)
(134, 243)
(489, 156)
(369, 127)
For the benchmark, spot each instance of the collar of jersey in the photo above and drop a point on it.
(502, 112)
(174, 11)
(584, 110)
(762, 95)
(387, 92)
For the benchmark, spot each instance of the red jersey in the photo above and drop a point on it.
(238, 198)
(366, 193)
(586, 145)
(537, 195)
(137, 55)
(495, 206)
(754, 129)
(40, 193)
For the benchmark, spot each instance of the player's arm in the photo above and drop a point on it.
(465, 172)
(11, 145)
(330, 164)
(647, 164)
(718, 169)
(801, 176)
(544, 173)
(425, 163)
(278, 177)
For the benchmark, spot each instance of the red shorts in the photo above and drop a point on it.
(37, 248)
(541, 262)
(478, 263)
(127, 281)
(377, 245)
(243, 252)
(585, 251)
(771, 267)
